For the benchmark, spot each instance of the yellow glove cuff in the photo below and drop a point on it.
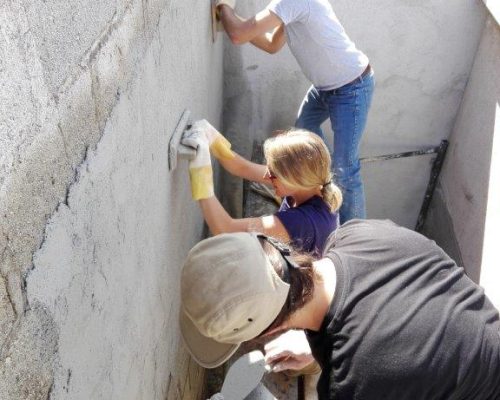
(202, 182)
(221, 148)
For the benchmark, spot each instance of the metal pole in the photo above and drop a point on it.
(436, 169)
(301, 388)
(386, 157)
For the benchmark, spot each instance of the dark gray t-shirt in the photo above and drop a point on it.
(405, 322)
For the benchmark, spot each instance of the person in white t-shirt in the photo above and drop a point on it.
(341, 76)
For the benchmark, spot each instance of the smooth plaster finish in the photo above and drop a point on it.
(467, 181)
(93, 227)
(422, 56)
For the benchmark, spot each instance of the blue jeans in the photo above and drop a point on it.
(347, 108)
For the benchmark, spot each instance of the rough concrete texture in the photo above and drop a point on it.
(93, 227)
(465, 178)
(28, 356)
(422, 56)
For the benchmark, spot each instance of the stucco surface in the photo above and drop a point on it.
(465, 179)
(63, 30)
(422, 56)
(93, 226)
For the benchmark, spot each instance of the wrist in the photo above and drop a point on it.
(220, 148)
(228, 3)
(202, 183)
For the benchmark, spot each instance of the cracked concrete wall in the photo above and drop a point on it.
(464, 184)
(93, 227)
(422, 54)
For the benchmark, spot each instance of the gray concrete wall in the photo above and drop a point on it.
(422, 55)
(93, 227)
(466, 179)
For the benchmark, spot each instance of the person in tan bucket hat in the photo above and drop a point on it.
(387, 314)
(217, 315)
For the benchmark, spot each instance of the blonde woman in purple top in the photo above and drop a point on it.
(341, 76)
(297, 167)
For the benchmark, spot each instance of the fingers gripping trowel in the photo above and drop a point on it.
(175, 148)
(243, 377)
(216, 23)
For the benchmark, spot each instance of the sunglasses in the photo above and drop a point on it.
(269, 174)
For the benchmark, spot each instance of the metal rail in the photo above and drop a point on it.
(440, 152)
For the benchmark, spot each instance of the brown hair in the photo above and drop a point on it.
(301, 280)
(302, 161)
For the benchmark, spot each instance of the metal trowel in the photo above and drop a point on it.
(243, 377)
(176, 149)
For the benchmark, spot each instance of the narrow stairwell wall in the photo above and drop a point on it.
(93, 227)
(422, 56)
(466, 200)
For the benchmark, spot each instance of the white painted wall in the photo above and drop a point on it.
(490, 273)
(469, 180)
(93, 227)
(422, 56)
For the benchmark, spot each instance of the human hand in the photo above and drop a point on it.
(220, 147)
(200, 167)
(229, 3)
(289, 351)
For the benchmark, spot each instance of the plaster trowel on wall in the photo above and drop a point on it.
(243, 377)
(176, 149)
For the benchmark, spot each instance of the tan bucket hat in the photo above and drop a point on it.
(230, 294)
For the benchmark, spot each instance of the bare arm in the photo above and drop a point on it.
(265, 30)
(245, 169)
(219, 221)
(271, 42)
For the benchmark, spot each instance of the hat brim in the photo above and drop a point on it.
(205, 351)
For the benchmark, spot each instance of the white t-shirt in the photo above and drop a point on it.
(326, 55)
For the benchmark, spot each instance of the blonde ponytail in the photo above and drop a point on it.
(332, 195)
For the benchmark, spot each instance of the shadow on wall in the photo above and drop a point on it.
(458, 213)
(237, 112)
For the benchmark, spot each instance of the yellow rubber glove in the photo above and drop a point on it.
(219, 146)
(200, 167)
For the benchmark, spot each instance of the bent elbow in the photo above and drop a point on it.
(236, 38)
(272, 50)
(216, 231)
(219, 228)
